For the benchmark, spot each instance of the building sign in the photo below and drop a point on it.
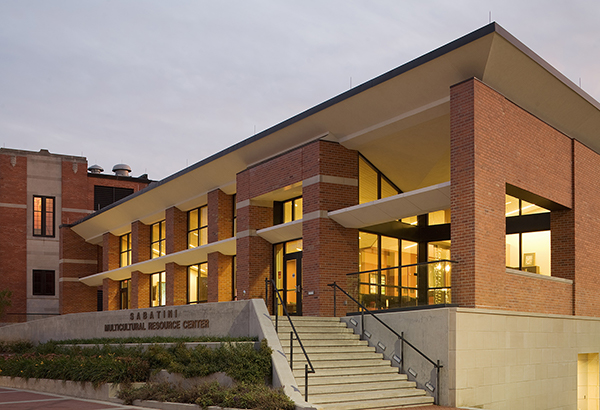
(156, 320)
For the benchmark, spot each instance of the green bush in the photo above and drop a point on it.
(241, 396)
(20, 346)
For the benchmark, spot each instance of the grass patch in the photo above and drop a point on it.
(241, 396)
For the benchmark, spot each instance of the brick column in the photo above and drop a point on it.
(140, 290)
(140, 242)
(176, 284)
(110, 252)
(176, 226)
(330, 250)
(110, 294)
(220, 286)
(220, 215)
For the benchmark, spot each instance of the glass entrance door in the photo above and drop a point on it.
(288, 275)
(293, 283)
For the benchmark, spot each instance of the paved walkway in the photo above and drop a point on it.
(16, 399)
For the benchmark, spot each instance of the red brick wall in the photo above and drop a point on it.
(219, 277)
(220, 215)
(140, 242)
(110, 294)
(140, 290)
(176, 284)
(494, 142)
(587, 228)
(330, 251)
(176, 227)
(13, 234)
(110, 252)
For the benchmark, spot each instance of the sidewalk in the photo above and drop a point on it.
(17, 399)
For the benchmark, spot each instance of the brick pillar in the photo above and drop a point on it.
(176, 284)
(140, 290)
(110, 252)
(330, 250)
(110, 294)
(220, 215)
(79, 259)
(176, 226)
(140, 242)
(220, 285)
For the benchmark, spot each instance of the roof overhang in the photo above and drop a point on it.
(399, 121)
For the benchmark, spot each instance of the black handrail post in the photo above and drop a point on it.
(267, 292)
(334, 300)
(306, 382)
(292, 350)
(362, 323)
(437, 383)
(276, 304)
(402, 352)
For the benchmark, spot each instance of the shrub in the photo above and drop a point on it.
(241, 396)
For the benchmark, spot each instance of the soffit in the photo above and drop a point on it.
(408, 105)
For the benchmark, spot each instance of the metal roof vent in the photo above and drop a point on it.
(96, 169)
(122, 170)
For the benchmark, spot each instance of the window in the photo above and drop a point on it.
(43, 216)
(372, 184)
(292, 210)
(198, 227)
(158, 242)
(198, 283)
(124, 295)
(43, 282)
(527, 236)
(106, 195)
(125, 250)
(158, 289)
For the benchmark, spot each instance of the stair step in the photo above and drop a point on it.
(316, 379)
(324, 342)
(345, 371)
(380, 386)
(327, 357)
(366, 395)
(315, 350)
(307, 319)
(285, 338)
(311, 323)
(378, 403)
(285, 330)
(338, 364)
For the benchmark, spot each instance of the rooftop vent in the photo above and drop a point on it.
(96, 169)
(122, 170)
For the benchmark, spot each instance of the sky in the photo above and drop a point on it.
(160, 85)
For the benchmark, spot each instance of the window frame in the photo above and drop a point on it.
(380, 178)
(197, 301)
(126, 251)
(43, 214)
(199, 229)
(160, 291)
(161, 241)
(44, 282)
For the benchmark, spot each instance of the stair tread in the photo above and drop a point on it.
(379, 386)
(378, 404)
(347, 371)
(314, 380)
(365, 395)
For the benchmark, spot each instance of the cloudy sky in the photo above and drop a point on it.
(160, 85)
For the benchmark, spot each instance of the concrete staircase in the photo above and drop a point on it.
(348, 374)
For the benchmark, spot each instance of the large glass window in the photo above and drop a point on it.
(372, 184)
(198, 283)
(158, 289)
(439, 274)
(527, 237)
(292, 210)
(124, 294)
(43, 282)
(198, 227)
(158, 242)
(125, 250)
(43, 216)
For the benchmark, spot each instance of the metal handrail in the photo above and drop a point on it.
(437, 364)
(293, 333)
(401, 266)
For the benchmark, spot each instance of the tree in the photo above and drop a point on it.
(5, 302)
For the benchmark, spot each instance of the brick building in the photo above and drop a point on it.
(465, 180)
(39, 191)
